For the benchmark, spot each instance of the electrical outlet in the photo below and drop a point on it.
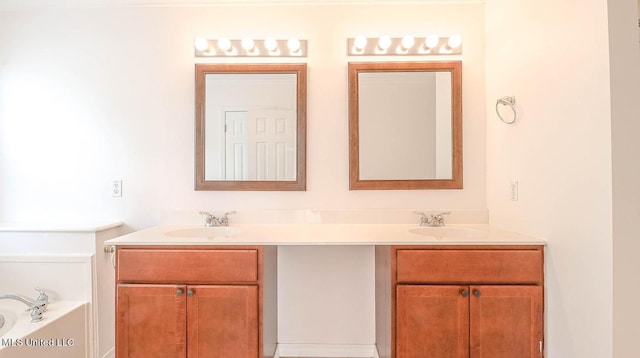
(116, 188)
(514, 190)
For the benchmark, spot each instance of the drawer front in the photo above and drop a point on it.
(187, 266)
(469, 266)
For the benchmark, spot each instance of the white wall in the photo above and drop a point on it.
(94, 94)
(554, 57)
(91, 95)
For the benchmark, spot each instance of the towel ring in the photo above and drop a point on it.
(509, 102)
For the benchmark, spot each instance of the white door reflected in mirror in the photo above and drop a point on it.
(259, 144)
(250, 128)
(250, 124)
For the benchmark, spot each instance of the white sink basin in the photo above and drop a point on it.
(204, 232)
(452, 232)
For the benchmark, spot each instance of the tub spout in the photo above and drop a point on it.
(36, 306)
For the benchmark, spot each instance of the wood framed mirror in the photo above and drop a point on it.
(405, 125)
(250, 127)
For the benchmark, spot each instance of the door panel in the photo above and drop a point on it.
(506, 321)
(150, 321)
(222, 322)
(236, 166)
(260, 144)
(432, 322)
(271, 144)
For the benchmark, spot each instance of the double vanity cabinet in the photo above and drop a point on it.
(195, 302)
(459, 301)
(436, 300)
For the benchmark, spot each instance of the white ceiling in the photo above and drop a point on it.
(26, 4)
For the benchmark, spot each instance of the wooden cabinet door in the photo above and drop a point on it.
(222, 321)
(506, 321)
(432, 321)
(150, 321)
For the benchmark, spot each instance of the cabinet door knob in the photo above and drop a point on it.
(476, 293)
(189, 293)
(464, 292)
(179, 292)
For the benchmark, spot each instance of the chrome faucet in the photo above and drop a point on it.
(433, 220)
(36, 306)
(211, 221)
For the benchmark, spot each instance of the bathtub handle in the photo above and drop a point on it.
(42, 296)
(36, 312)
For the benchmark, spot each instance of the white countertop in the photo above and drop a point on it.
(325, 234)
(58, 226)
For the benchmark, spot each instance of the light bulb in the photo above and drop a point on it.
(224, 44)
(293, 44)
(432, 41)
(407, 42)
(454, 41)
(360, 42)
(247, 43)
(384, 42)
(270, 44)
(201, 44)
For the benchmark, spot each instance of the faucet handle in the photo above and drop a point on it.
(209, 218)
(42, 296)
(424, 219)
(439, 218)
(224, 220)
(443, 213)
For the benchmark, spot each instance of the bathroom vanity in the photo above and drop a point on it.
(207, 301)
(459, 301)
(458, 291)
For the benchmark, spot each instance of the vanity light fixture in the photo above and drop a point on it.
(383, 44)
(271, 44)
(201, 44)
(224, 44)
(407, 42)
(248, 44)
(359, 43)
(293, 45)
(403, 46)
(269, 47)
(431, 41)
(454, 41)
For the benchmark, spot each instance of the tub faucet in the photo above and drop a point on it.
(211, 220)
(36, 306)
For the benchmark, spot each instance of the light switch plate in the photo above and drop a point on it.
(116, 188)
(514, 190)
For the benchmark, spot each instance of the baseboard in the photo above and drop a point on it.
(327, 350)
